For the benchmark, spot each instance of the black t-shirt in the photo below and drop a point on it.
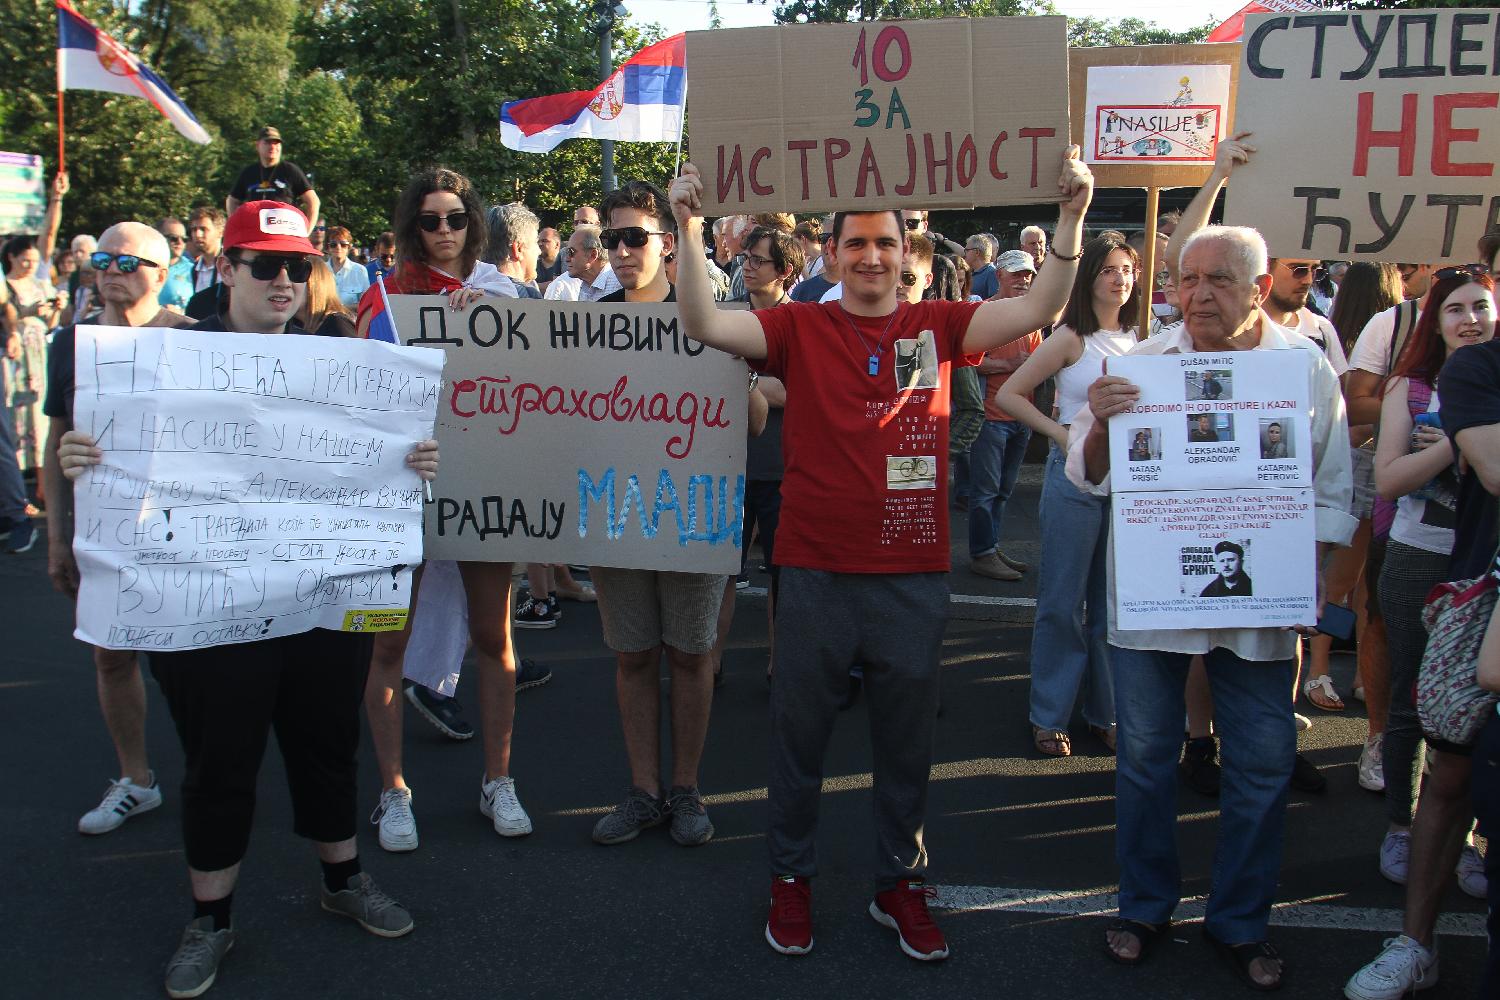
(546, 272)
(284, 182)
(1469, 396)
(618, 295)
(60, 371)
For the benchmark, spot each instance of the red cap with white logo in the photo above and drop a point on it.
(268, 225)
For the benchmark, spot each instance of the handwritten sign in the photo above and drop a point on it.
(252, 486)
(578, 432)
(1211, 473)
(945, 113)
(1390, 153)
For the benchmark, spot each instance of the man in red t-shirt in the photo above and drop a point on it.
(863, 539)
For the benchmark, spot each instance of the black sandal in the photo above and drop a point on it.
(1147, 934)
(1239, 957)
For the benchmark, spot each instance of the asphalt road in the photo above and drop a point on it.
(554, 915)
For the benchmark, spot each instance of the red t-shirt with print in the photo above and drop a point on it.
(865, 489)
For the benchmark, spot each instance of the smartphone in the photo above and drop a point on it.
(1337, 621)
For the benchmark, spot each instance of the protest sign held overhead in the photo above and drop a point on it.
(1390, 153)
(943, 114)
(582, 433)
(23, 193)
(236, 500)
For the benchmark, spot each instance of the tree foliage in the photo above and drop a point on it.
(1090, 31)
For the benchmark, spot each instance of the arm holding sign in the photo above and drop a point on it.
(62, 568)
(733, 332)
(1000, 321)
(1227, 155)
(77, 451)
(1109, 396)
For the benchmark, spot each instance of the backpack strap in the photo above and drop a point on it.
(1405, 321)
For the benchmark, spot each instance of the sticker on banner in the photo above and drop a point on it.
(375, 620)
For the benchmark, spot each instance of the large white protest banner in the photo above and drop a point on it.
(251, 487)
(577, 432)
(1211, 474)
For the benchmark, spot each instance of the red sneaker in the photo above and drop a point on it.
(904, 909)
(789, 928)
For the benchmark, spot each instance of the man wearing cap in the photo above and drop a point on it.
(273, 179)
(995, 459)
(225, 700)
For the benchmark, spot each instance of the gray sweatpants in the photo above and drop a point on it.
(892, 625)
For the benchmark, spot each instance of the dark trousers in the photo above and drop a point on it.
(225, 700)
(762, 510)
(1486, 791)
(892, 625)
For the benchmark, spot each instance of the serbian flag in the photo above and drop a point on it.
(1232, 29)
(642, 101)
(88, 59)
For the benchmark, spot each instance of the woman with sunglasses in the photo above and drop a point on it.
(1416, 467)
(440, 240)
(1066, 653)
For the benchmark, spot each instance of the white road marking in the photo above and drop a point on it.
(1314, 913)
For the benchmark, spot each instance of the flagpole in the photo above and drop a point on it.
(61, 158)
(681, 127)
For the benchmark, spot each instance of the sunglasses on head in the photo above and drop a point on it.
(266, 268)
(127, 262)
(430, 221)
(1465, 271)
(634, 237)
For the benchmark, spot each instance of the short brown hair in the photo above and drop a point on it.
(786, 255)
(207, 212)
(644, 197)
(339, 234)
(784, 221)
(919, 248)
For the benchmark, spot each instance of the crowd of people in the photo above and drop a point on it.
(852, 318)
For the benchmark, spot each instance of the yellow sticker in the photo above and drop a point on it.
(375, 620)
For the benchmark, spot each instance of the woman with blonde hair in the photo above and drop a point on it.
(324, 313)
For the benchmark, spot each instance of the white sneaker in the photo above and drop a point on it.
(122, 800)
(398, 826)
(1394, 850)
(497, 800)
(1403, 967)
(1372, 765)
(1470, 872)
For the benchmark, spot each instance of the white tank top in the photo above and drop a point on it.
(1073, 381)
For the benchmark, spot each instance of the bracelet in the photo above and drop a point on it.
(1073, 259)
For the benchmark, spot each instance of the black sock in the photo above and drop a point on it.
(336, 874)
(216, 908)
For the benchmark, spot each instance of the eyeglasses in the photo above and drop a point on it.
(430, 221)
(908, 278)
(1123, 270)
(570, 252)
(176, 239)
(342, 243)
(1300, 271)
(320, 229)
(267, 268)
(634, 237)
(127, 262)
(756, 261)
(1466, 271)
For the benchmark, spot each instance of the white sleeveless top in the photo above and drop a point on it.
(1073, 381)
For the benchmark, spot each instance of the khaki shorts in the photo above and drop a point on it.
(643, 608)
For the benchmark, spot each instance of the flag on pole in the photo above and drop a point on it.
(642, 101)
(88, 59)
(1232, 29)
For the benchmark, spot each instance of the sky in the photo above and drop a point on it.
(690, 15)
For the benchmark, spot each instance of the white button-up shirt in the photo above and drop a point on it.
(567, 288)
(351, 280)
(1332, 492)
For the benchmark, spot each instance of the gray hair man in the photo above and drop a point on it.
(589, 277)
(1223, 281)
(513, 247)
(1034, 242)
(977, 254)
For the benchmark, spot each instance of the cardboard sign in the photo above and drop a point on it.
(575, 432)
(948, 113)
(1377, 134)
(252, 486)
(1150, 115)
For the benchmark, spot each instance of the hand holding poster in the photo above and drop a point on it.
(252, 486)
(1390, 153)
(1212, 492)
(579, 432)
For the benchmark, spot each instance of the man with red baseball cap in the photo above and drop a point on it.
(225, 700)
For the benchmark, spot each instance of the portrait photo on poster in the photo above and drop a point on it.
(1210, 428)
(916, 363)
(1225, 560)
(1145, 444)
(1276, 438)
(1208, 384)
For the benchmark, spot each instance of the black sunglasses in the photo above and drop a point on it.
(1300, 271)
(176, 239)
(634, 237)
(266, 268)
(908, 278)
(430, 221)
(1468, 271)
(127, 262)
(912, 224)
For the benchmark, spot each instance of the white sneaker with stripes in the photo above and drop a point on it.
(122, 800)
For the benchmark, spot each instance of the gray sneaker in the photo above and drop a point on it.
(639, 811)
(366, 905)
(691, 826)
(195, 965)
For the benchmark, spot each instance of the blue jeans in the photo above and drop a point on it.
(1258, 741)
(994, 465)
(1069, 651)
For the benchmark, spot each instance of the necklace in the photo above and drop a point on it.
(879, 348)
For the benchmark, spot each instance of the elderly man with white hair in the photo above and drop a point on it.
(1034, 242)
(1223, 284)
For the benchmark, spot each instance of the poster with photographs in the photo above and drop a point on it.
(1214, 559)
(1225, 421)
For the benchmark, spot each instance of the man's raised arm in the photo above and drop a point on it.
(734, 332)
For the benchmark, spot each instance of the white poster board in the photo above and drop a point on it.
(1155, 114)
(1211, 475)
(252, 486)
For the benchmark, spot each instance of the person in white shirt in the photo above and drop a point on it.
(1223, 281)
(589, 277)
(349, 277)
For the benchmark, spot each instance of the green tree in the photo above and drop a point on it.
(1089, 31)
(834, 11)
